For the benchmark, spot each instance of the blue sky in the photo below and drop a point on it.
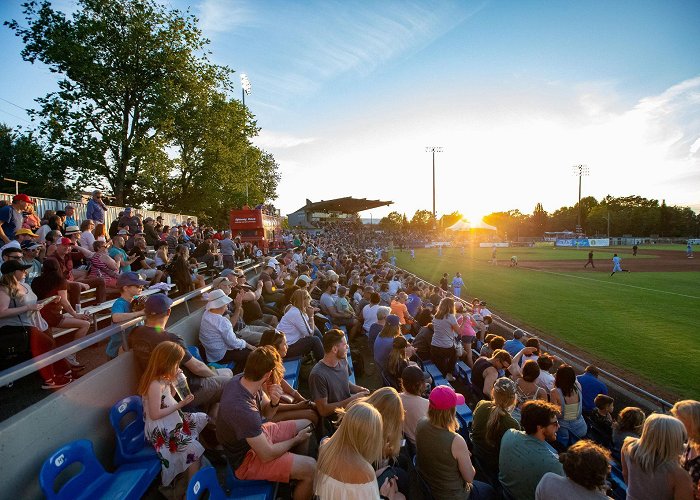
(348, 94)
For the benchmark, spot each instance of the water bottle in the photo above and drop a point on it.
(169, 280)
(181, 387)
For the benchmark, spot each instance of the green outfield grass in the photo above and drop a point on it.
(644, 322)
(545, 253)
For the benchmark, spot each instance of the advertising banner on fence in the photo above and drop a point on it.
(583, 242)
(544, 243)
(599, 242)
(491, 245)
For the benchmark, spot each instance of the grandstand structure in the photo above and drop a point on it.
(340, 209)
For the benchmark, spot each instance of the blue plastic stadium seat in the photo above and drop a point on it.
(131, 439)
(130, 481)
(438, 378)
(194, 351)
(205, 481)
(351, 368)
(464, 372)
(292, 367)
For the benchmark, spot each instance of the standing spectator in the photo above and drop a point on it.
(70, 216)
(257, 450)
(586, 465)
(298, 326)
(590, 388)
(444, 282)
(11, 217)
(568, 396)
(442, 456)
(345, 459)
(86, 236)
(171, 432)
(515, 345)
(442, 347)
(491, 420)
(414, 301)
(629, 423)
(525, 456)
(329, 380)
(226, 247)
(96, 208)
(20, 320)
(688, 412)
(467, 334)
(414, 383)
(651, 463)
(130, 285)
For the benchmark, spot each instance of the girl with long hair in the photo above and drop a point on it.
(491, 421)
(399, 358)
(442, 346)
(688, 412)
(630, 422)
(385, 341)
(651, 463)
(344, 468)
(21, 321)
(51, 283)
(100, 232)
(293, 406)
(172, 432)
(567, 395)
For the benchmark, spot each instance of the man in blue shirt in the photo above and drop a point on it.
(96, 208)
(414, 302)
(590, 388)
(515, 345)
(11, 216)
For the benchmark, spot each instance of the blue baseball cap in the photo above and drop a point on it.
(158, 304)
(130, 278)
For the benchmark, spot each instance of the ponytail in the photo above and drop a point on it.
(493, 425)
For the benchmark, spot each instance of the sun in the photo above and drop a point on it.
(473, 216)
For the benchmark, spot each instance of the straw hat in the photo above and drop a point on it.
(217, 298)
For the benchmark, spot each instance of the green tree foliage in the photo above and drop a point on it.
(538, 221)
(448, 220)
(141, 111)
(393, 220)
(22, 157)
(422, 220)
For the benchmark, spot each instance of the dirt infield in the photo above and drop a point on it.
(665, 261)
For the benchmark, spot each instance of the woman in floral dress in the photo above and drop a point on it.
(172, 432)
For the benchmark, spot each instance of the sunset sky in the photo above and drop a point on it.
(349, 93)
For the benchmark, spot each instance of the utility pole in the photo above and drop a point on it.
(579, 171)
(434, 149)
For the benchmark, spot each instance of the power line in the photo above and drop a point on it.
(18, 117)
(15, 105)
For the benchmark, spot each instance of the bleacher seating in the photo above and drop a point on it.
(204, 484)
(129, 481)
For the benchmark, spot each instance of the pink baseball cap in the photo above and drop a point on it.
(444, 397)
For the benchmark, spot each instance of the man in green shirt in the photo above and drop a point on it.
(525, 456)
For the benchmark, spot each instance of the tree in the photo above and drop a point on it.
(538, 221)
(422, 220)
(393, 220)
(448, 220)
(125, 65)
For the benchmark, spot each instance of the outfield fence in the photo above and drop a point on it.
(633, 390)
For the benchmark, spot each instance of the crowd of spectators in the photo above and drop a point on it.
(538, 430)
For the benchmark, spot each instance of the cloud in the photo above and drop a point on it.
(269, 139)
(223, 16)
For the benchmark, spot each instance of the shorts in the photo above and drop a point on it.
(278, 470)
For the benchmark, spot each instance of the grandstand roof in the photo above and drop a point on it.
(348, 205)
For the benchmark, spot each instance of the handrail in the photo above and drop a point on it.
(656, 399)
(30, 366)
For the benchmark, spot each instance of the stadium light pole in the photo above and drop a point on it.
(434, 149)
(579, 171)
(245, 89)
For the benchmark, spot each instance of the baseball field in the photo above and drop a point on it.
(641, 325)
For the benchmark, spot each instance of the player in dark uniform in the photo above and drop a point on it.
(590, 259)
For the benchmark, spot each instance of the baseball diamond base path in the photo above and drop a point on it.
(667, 261)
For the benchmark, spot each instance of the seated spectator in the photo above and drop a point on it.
(491, 420)
(129, 285)
(31, 220)
(414, 383)
(293, 405)
(651, 463)
(217, 336)
(257, 450)
(421, 343)
(629, 423)
(586, 466)
(149, 231)
(329, 380)
(414, 302)
(526, 388)
(298, 326)
(388, 403)
(23, 332)
(205, 383)
(342, 304)
(181, 272)
(602, 420)
(161, 259)
(515, 345)
(399, 358)
(119, 255)
(425, 315)
(270, 293)
(546, 379)
(31, 255)
(525, 455)
(567, 396)
(385, 341)
(253, 313)
(102, 265)
(442, 346)
(345, 459)
(143, 265)
(398, 307)
(376, 328)
(442, 456)
(493, 343)
(86, 236)
(51, 283)
(590, 388)
(485, 371)
(688, 412)
(171, 432)
(70, 216)
(66, 258)
(369, 312)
